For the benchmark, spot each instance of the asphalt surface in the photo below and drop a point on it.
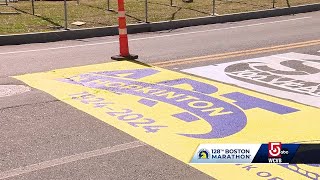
(39, 132)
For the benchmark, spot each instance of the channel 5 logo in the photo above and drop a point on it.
(275, 150)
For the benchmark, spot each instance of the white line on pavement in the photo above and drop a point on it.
(154, 37)
(68, 159)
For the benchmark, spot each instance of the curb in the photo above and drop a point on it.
(150, 27)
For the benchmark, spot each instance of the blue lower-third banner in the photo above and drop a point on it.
(273, 152)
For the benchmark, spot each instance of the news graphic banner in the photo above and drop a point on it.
(175, 113)
(273, 152)
(293, 76)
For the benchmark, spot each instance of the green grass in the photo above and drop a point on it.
(49, 14)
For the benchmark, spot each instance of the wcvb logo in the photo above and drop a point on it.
(274, 149)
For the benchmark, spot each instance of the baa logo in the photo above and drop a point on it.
(203, 154)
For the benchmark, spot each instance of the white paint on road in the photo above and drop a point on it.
(10, 90)
(69, 159)
(154, 37)
(292, 76)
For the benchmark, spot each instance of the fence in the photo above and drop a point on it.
(53, 15)
(4, 3)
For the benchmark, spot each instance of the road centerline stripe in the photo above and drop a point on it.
(241, 51)
(69, 159)
(236, 54)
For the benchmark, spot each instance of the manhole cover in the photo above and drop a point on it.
(9, 90)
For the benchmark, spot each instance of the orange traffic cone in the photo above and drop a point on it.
(123, 36)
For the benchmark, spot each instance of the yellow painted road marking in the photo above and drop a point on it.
(175, 112)
(236, 54)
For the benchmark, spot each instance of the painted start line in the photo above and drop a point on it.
(175, 112)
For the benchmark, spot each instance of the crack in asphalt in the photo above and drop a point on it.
(22, 105)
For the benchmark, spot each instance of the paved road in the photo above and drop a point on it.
(45, 138)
